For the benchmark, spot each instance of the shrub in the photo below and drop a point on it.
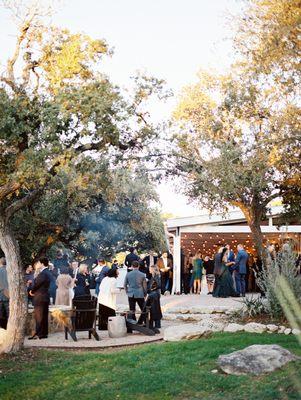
(253, 306)
(284, 266)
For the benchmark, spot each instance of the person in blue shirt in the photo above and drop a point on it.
(240, 268)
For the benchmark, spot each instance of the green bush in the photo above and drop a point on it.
(253, 306)
(283, 266)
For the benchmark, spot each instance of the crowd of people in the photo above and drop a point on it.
(145, 280)
(225, 274)
(60, 281)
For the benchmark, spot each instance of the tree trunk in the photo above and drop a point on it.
(254, 218)
(14, 336)
(257, 239)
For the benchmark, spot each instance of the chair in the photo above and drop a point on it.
(84, 317)
(133, 325)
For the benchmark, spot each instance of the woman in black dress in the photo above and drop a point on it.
(224, 283)
(82, 282)
(153, 298)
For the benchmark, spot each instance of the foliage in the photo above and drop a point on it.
(283, 267)
(238, 134)
(253, 306)
(112, 213)
(187, 365)
(290, 305)
(59, 116)
(64, 129)
(224, 142)
(268, 37)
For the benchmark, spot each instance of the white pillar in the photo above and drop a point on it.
(176, 287)
(270, 221)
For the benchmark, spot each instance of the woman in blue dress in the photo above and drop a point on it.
(197, 271)
(223, 282)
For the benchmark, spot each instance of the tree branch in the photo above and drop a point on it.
(10, 83)
(25, 201)
(23, 33)
(8, 189)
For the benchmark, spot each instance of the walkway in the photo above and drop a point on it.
(198, 304)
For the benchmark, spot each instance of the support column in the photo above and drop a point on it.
(176, 287)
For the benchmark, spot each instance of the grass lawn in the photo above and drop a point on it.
(158, 371)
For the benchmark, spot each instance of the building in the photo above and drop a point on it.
(208, 232)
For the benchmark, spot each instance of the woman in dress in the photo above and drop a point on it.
(224, 283)
(82, 282)
(107, 298)
(153, 298)
(64, 283)
(197, 263)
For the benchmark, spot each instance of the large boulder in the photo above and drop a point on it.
(182, 332)
(193, 331)
(255, 360)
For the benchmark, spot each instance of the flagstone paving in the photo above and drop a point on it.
(175, 306)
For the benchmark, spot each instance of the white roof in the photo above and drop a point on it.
(214, 219)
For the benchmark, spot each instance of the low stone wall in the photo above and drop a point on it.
(197, 330)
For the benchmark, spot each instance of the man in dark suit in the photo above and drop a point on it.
(40, 293)
(240, 267)
(130, 258)
(149, 261)
(136, 288)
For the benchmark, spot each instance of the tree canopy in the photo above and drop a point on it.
(238, 133)
(65, 129)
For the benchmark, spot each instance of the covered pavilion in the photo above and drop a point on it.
(208, 232)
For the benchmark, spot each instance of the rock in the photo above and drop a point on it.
(189, 317)
(181, 332)
(212, 326)
(272, 328)
(254, 327)
(214, 371)
(287, 331)
(201, 310)
(170, 317)
(255, 360)
(176, 310)
(234, 328)
(296, 332)
(220, 309)
(281, 329)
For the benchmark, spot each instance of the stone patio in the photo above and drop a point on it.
(192, 303)
(177, 310)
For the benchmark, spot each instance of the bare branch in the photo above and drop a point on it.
(22, 35)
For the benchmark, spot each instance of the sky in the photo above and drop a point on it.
(169, 39)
